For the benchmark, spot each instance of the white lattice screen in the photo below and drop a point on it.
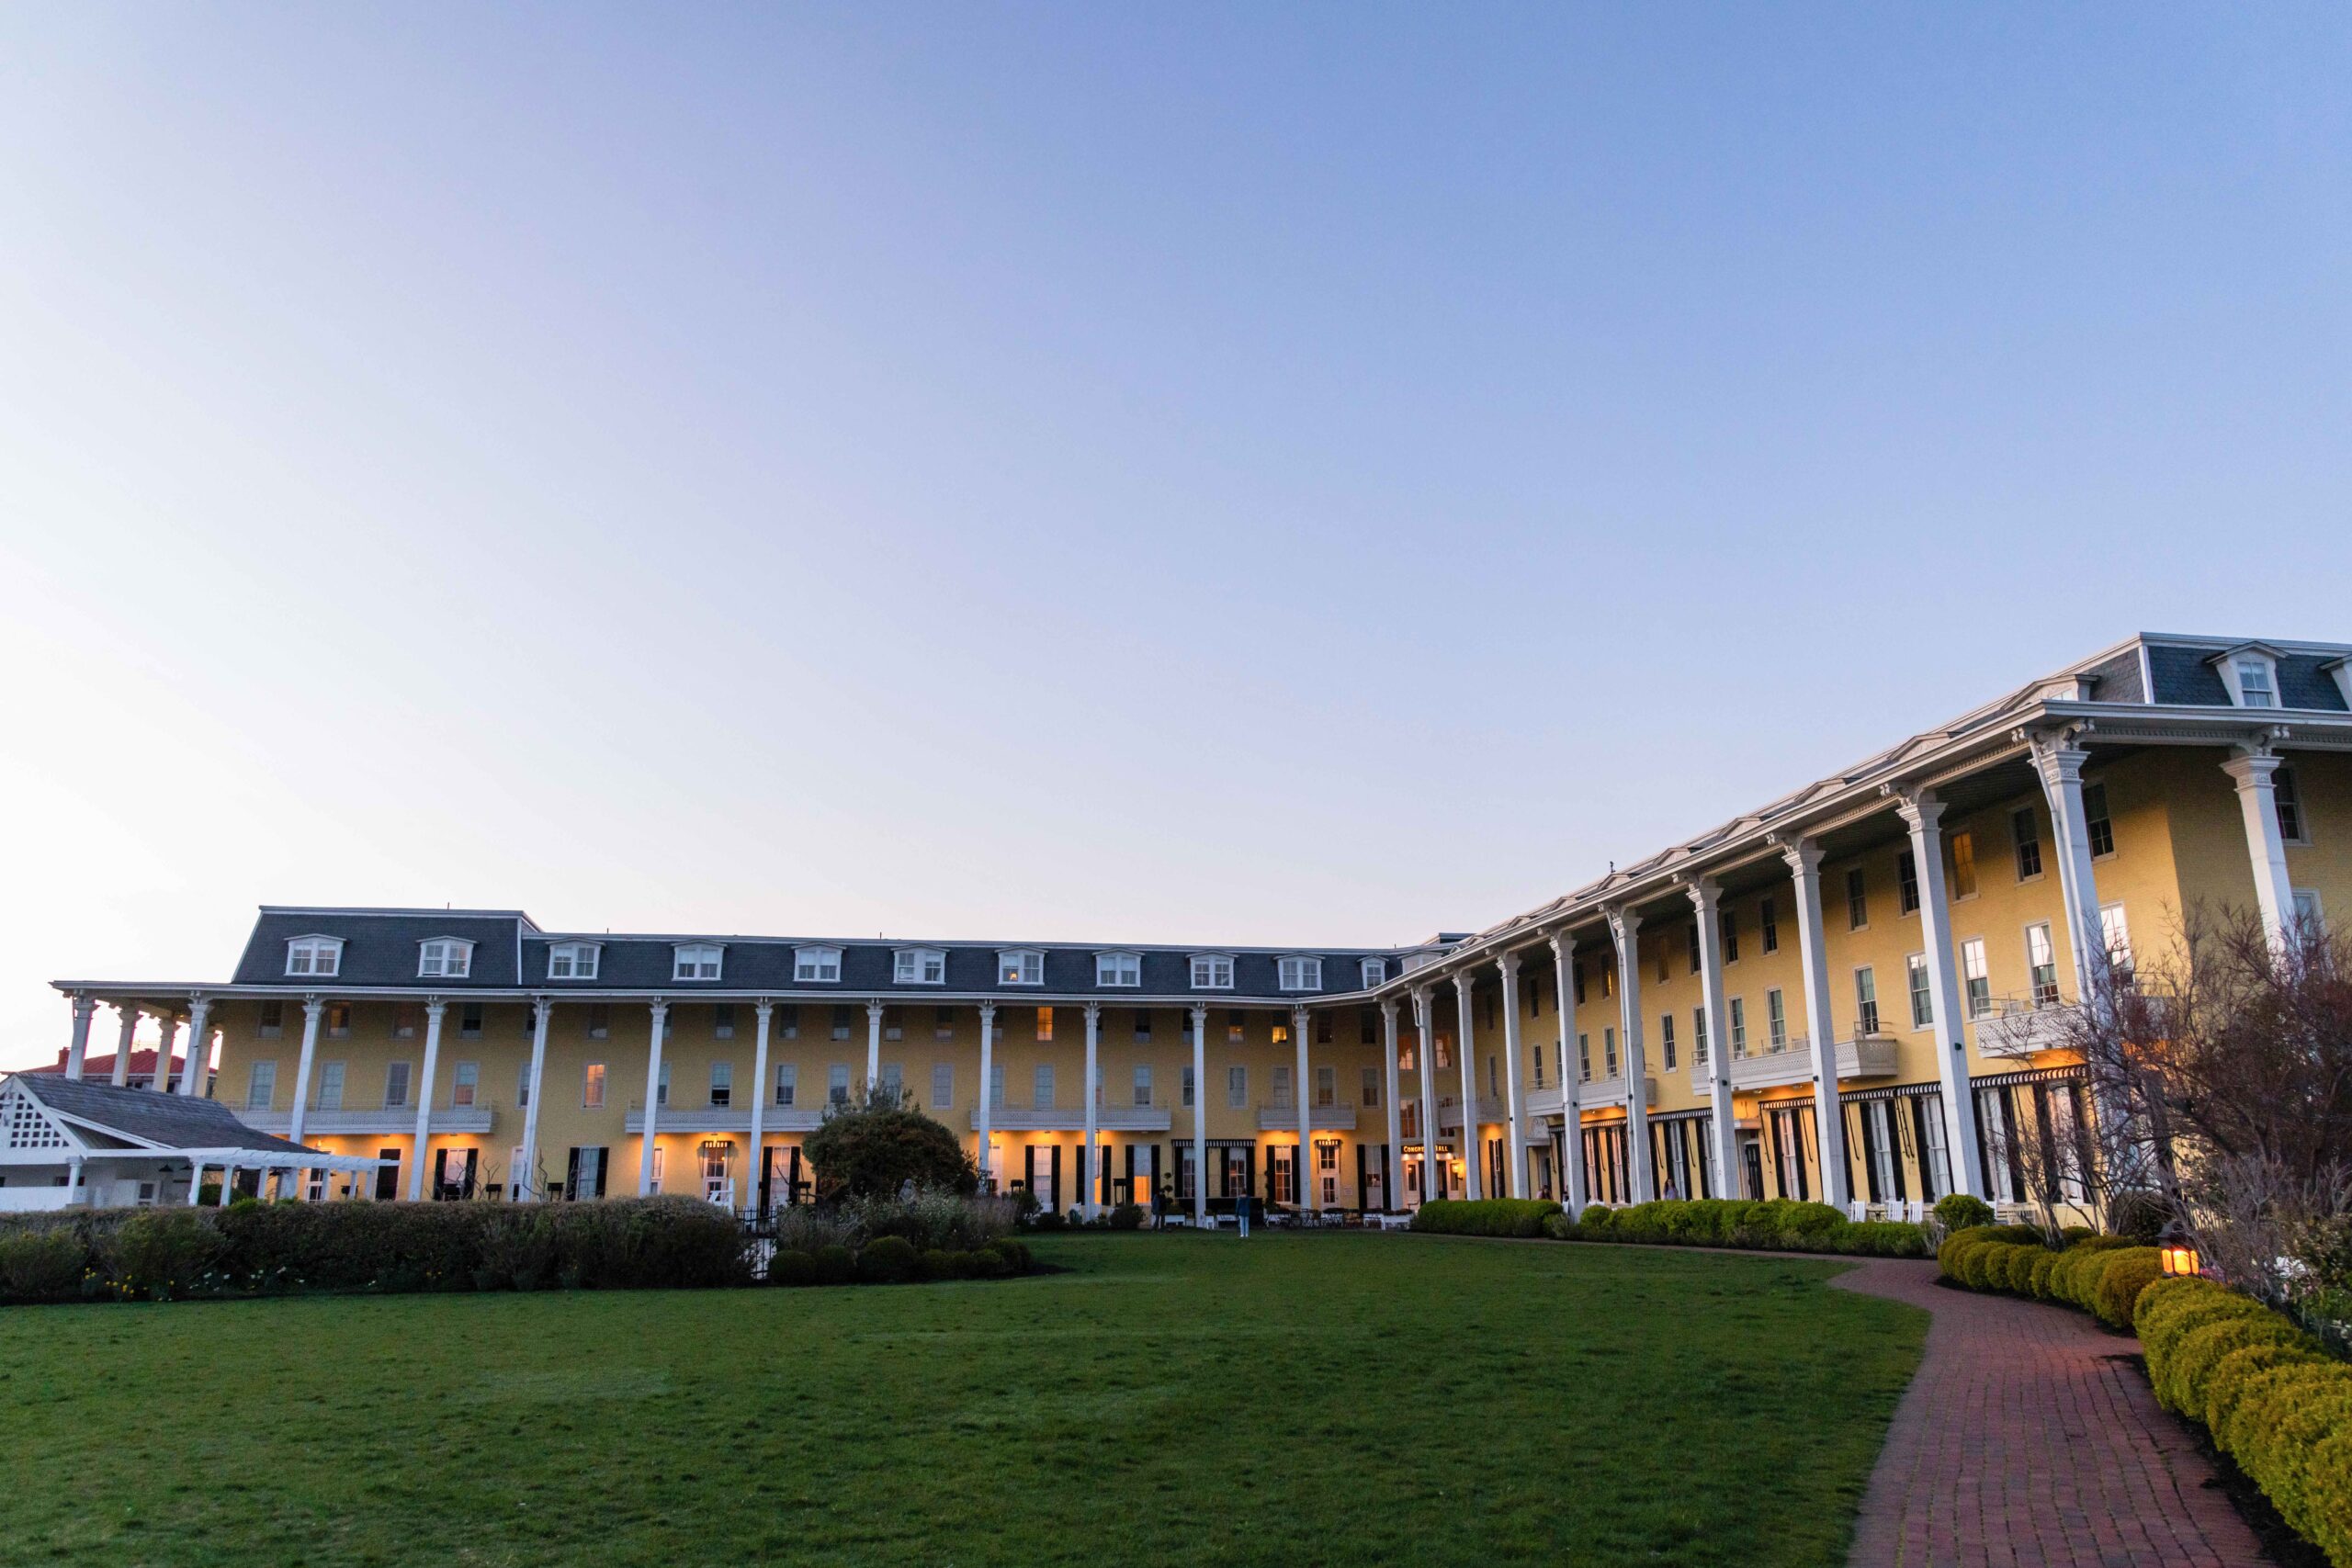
(27, 1126)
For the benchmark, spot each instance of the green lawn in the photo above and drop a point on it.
(1355, 1399)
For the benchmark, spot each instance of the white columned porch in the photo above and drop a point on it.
(874, 1045)
(129, 1016)
(1302, 1178)
(434, 1011)
(1394, 1165)
(77, 1049)
(2252, 770)
(199, 1045)
(1093, 1175)
(763, 1011)
(1515, 1178)
(1432, 1182)
(195, 1181)
(1474, 1185)
(987, 1087)
(1922, 813)
(1704, 895)
(659, 1027)
(1804, 858)
(1624, 928)
(167, 1029)
(1564, 968)
(528, 1188)
(313, 1007)
(1199, 1116)
(2060, 767)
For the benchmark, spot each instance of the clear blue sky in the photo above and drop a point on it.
(1176, 473)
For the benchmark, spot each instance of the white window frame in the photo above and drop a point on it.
(2115, 934)
(785, 1090)
(1142, 1085)
(575, 960)
(1915, 965)
(688, 958)
(2253, 680)
(445, 958)
(1212, 970)
(329, 1093)
(407, 1073)
(1298, 973)
(816, 966)
(943, 1086)
(2037, 938)
(261, 1084)
(1375, 971)
(1020, 966)
(1118, 970)
(1975, 978)
(1236, 1085)
(1043, 1087)
(318, 957)
(722, 1081)
(918, 966)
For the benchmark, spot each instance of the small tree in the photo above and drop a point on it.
(876, 1146)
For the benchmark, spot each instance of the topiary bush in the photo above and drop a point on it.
(1127, 1217)
(2128, 1271)
(939, 1264)
(836, 1264)
(892, 1261)
(2194, 1355)
(1559, 1227)
(791, 1268)
(1484, 1216)
(1959, 1211)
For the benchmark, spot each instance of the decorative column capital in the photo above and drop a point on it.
(1702, 892)
(1563, 944)
(1801, 855)
(988, 1013)
(1200, 1012)
(874, 1010)
(2252, 766)
(1623, 924)
(1388, 1011)
(313, 1006)
(84, 1005)
(1920, 806)
(434, 1008)
(764, 1009)
(1506, 966)
(659, 1009)
(1093, 1013)
(1298, 1021)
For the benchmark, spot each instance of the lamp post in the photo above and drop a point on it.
(2175, 1256)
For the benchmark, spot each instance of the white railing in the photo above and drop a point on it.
(1319, 1117)
(1871, 1057)
(346, 1120)
(2018, 1027)
(1072, 1118)
(722, 1119)
(1612, 1091)
(1490, 1111)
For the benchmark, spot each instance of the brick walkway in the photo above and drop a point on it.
(2026, 1440)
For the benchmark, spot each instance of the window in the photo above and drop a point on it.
(2041, 966)
(523, 1086)
(722, 1085)
(1143, 1024)
(722, 1021)
(2028, 836)
(1691, 942)
(2308, 918)
(894, 1081)
(1375, 972)
(1189, 1088)
(837, 1084)
(1143, 1084)
(893, 1024)
(918, 966)
(445, 957)
(1776, 1021)
(1021, 966)
(339, 1020)
(470, 1021)
(1212, 972)
(1923, 1004)
(1858, 900)
(1327, 1087)
(1371, 1101)
(591, 1087)
(1768, 917)
(1235, 1026)
(1041, 1087)
(661, 1085)
(816, 966)
(1118, 969)
(1579, 971)
(1045, 1023)
(995, 1085)
(1976, 977)
(273, 1017)
(788, 1083)
(573, 961)
(314, 955)
(1609, 1052)
(1301, 974)
(1738, 1028)
(1699, 1035)
(1661, 961)
(787, 1020)
(2289, 805)
(1962, 849)
(330, 1086)
(395, 1086)
(2116, 934)
(1665, 1042)
(1865, 1001)
(2097, 825)
(1282, 1100)
(600, 1021)
(2254, 689)
(1237, 1086)
(1907, 884)
(261, 1085)
(844, 1019)
(695, 961)
(1728, 923)
(464, 1085)
(1584, 1058)
(943, 1023)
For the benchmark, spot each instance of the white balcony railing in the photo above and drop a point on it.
(1319, 1119)
(723, 1118)
(1490, 1111)
(1072, 1118)
(361, 1120)
(1871, 1057)
(1612, 1091)
(2019, 1029)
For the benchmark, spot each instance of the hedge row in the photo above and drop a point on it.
(2268, 1393)
(2101, 1274)
(1779, 1225)
(893, 1261)
(1485, 1216)
(253, 1248)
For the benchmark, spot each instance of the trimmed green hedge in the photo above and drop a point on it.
(2102, 1275)
(1484, 1216)
(893, 1261)
(1778, 1224)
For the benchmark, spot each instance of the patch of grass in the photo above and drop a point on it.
(1284, 1400)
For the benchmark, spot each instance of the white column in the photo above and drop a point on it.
(984, 1115)
(1395, 1163)
(874, 1045)
(526, 1186)
(1704, 895)
(1093, 1171)
(77, 1050)
(2252, 770)
(312, 1007)
(1803, 859)
(660, 1011)
(1564, 965)
(1465, 1047)
(1516, 1176)
(74, 1193)
(199, 1046)
(1425, 1021)
(195, 1181)
(1199, 1116)
(765, 1011)
(2061, 769)
(130, 1015)
(227, 1186)
(1625, 927)
(1922, 813)
(1301, 1177)
(434, 1008)
(168, 1029)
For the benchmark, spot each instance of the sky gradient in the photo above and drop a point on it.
(1237, 474)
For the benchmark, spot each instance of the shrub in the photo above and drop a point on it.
(1807, 1226)
(1127, 1217)
(836, 1264)
(934, 1216)
(878, 1144)
(1485, 1216)
(892, 1261)
(2129, 1271)
(2045, 1269)
(939, 1264)
(1882, 1239)
(792, 1267)
(1959, 1211)
(1559, 1227)
(1014, 1252)
(1947, 1254)
(1593, 1224)
(988, 1263)
(41, 1266)
(2196, 1354)
(160, 1252)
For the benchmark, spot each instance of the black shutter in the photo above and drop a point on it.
(571, 1174)
(1029, 1167)
(1154, 1175)
(604, 1164)
(1055, 1165)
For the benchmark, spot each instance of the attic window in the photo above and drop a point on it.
(919, 966)
(819, 965)
(696, 961)
(1212, 972)
(1021, 966)
(314, 955)
(572, 961)
(2254, 689)
(449, 958)
(2250, 674)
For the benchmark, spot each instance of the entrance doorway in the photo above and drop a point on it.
(1751, 1167)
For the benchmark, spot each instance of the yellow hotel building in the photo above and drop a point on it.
(1850, 993)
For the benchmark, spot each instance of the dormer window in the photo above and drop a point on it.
(1375, 972)
(2255, 690)
(695, 961)
(817, 966)
(314, 955)
(1021, 966)
(445, 958)
(1212, 972)
(919, 966)
(1118, 969)
(573, 961)
(1301, 975)
(2250, 671)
